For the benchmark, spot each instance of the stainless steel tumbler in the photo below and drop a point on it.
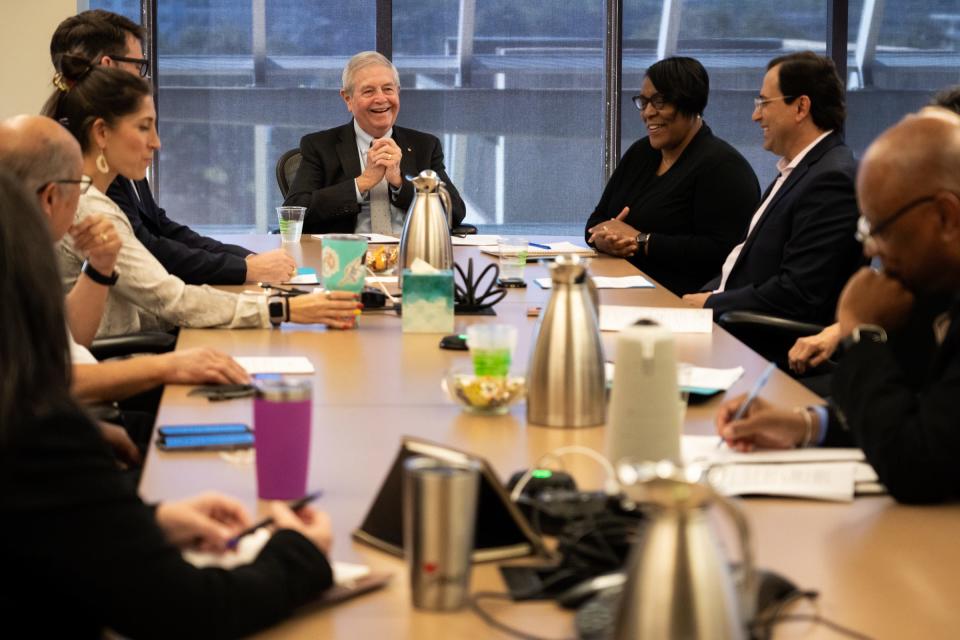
(439, 514)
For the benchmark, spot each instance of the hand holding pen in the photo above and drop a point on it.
(299, 516)
(751, 397)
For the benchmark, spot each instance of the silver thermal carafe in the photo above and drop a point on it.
(426, 229)
(679, 582)
(566, 386)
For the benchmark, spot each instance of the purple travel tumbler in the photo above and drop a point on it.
(281, 422)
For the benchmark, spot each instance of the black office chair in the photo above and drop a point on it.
(770, 336)
(128, 345)
(287, 167)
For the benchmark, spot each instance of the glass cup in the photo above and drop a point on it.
(513, 256)
(281, 422)
(291, 222)
(343, 265)
(491, 348)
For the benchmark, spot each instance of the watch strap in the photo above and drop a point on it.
(99, 278)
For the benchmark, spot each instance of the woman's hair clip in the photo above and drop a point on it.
(64, 122)
(62, 84)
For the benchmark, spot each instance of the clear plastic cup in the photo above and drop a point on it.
(491, 348)
(513, 256)
(291, 222)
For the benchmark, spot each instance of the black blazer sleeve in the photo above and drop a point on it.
(324, 186)
(818, 256)
(909, 437)
(194, 258)
(86, 542)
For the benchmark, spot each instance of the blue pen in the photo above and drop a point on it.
(541, 246)
(754, 392)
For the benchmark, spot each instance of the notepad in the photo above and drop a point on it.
(833, 481)
(268, 364)
(305, 275)
(702, 380)
(555, 249)
(609, 282)
(678, 320)
(475, 240)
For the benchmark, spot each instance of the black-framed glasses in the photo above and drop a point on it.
(865, 231)
(142, 63)
(84, 183)
(657, 100)
(758, 103)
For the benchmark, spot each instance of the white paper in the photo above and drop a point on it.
(382, 279)
(555, 249)
(372, 238)
(695, 378)
(820, 480)
(259, 364)
(704, 450)
(344, 573)
(606, 282)
(304, 278)
(475, 240)
(678, 320)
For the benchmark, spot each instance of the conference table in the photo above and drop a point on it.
(883, 569)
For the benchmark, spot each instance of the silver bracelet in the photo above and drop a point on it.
(808, 421)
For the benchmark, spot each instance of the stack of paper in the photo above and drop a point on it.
(475, 240)
(372, 238)
(606, 282)
(552, 249)
(819, 474)
(267, 364)
(678, 320)
(704, 380)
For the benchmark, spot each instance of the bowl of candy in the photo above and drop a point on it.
(484, 395)
(382, 259)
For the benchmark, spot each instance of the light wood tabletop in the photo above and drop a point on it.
(883, 569)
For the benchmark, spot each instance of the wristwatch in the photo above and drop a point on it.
(278, 309)
(643, 241)
(99, 278)
(865, 333)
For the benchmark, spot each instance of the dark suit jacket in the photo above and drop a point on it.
(193, 258)
(906, 421)
(77, 535)
(802, 251)
(324, 181)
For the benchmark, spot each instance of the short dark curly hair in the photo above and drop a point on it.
(683, 82)
(948, 98)
(807, 74)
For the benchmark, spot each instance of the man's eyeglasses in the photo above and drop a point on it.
(84, 183)
(142, 63)
(657, 100)
(867, 232)
(758, 103)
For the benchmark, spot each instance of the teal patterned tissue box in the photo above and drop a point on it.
(428, 302)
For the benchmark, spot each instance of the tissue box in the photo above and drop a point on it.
(428, 302)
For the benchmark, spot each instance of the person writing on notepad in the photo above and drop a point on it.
(80, 551)
(900, 408)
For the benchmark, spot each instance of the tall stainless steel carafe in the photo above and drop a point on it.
(679, 582)
(426, 229)
(566, 386)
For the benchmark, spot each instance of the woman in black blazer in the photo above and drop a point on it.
(680, 198)
(80, 551)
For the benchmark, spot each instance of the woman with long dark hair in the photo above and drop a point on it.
(112, 115)
(80, 551)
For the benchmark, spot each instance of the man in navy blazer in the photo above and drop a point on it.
(342, 167)
(800, 247)
(110, 39)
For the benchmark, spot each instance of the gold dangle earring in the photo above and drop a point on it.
(102, 165)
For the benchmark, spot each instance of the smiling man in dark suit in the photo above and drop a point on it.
(800, 247)
(352, 177)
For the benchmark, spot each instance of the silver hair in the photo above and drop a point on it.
(361, 61)
(38, 162)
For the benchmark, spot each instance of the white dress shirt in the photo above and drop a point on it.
(785, 168)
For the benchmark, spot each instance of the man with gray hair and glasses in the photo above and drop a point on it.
(353, 177)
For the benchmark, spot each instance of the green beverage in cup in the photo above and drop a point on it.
(491, 347)
(291, 222)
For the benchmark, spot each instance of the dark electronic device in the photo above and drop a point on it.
(217, 392)
(511, 283)
(169, 430)
(373, 298)
(501, 530)
(454, 342)
(208, 442)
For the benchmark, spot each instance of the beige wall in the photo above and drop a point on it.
(25, 73)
